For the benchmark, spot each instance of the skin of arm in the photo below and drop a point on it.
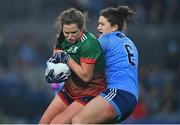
(84, 71)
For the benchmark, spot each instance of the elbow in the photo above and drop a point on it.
(86, 79)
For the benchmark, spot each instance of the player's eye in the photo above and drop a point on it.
(74, 32)
(67, 32)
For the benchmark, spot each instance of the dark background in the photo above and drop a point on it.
(27, 37)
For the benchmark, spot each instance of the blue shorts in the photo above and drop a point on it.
(68, 99)
(122, 101)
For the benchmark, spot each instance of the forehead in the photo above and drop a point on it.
(102, 19)
(70, 27)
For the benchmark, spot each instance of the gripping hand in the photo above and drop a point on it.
(61, 77)
(60, 57)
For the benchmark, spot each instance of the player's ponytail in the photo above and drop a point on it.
(126, 12)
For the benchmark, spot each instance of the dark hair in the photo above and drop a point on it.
(71, 16)
(118, 15)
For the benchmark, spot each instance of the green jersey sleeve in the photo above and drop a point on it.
(90, 51)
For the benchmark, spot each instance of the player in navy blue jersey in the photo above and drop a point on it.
(120, 98)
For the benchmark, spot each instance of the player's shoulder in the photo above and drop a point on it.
(88, 36)
(88, 41)
(117, 35)
(111, 36)
(104, 37)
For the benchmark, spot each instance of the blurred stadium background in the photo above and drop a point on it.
(27, 37)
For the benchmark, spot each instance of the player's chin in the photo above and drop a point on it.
(71, 41)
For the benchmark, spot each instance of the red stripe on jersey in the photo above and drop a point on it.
(81, 102)
(63, 98)
(57, 49)
(89, 61)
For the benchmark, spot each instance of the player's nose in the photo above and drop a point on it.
(69, 36)
(98, 27)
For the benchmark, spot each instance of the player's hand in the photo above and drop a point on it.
(51, 78)
(60, 57)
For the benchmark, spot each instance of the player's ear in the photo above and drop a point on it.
(115, 27)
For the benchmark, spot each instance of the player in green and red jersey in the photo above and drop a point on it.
(85, 50)
(81, 51)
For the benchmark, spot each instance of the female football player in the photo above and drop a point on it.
(118, 101)
(82, 52)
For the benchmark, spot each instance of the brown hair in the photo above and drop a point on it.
(118, 15)
(71, 16)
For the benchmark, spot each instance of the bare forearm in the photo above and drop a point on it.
(84, 73)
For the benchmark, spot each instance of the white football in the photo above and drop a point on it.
(58, 68)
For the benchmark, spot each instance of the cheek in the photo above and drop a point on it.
(65, 36)
(106, 27)
(75, 37)
(106, 30)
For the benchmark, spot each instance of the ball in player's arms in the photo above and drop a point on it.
(56, 72)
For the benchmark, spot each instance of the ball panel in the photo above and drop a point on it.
(58, 68)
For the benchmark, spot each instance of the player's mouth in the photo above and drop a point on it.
(100, 33)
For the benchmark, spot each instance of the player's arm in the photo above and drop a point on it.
(90, 52)
(83, 71)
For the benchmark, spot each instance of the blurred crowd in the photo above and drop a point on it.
(22, 89)
(27, 37)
